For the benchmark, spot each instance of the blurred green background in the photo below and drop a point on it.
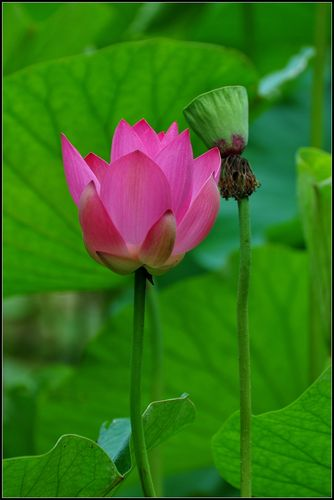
(67, 321)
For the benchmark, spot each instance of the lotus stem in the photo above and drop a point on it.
(244, 350)
(156, 377)
(137, 428)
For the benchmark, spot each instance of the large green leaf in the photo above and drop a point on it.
(315, 197)
(75, 467)
(291, 447)
(53, 30)
(39, 33)
(200, 356)
(161, 420)
(78, 467)
(85, 97)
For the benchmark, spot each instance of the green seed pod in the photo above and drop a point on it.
(220, 118)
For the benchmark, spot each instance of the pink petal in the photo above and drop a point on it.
(119, 265)
(159, 242)
(97, 165)
(125, 140)
(136, 194)
(170, 135)
(99, 233)
(161, 135)
(204, 167)
(175, 160)
(199, 219)
(148, 137)
(77, 172)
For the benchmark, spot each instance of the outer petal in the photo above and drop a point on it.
(199, 219)
(169, 264)
(78, 174)
(148, 137)
(204, 167)
(125, 140)
(136, 194)
(170, 135)
(97, 165)
(175, 160)
(119, 265)
(99, 233)
(159, 242)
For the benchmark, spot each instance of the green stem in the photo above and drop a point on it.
(156, 378)
(244, 350)
(317, 106)
(157, 344)
(138, 436)
(317, 353)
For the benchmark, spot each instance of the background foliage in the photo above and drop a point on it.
(79, 69)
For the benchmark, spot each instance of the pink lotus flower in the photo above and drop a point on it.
(151, 204)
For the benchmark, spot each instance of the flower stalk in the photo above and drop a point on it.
(138, 437)
(156, 378)
(220, 118)
(244, 350)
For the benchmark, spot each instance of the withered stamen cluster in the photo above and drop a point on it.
(236, 179)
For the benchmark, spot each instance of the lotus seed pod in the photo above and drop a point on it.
(220, 118)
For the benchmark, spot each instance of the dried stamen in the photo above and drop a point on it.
(237, 179)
